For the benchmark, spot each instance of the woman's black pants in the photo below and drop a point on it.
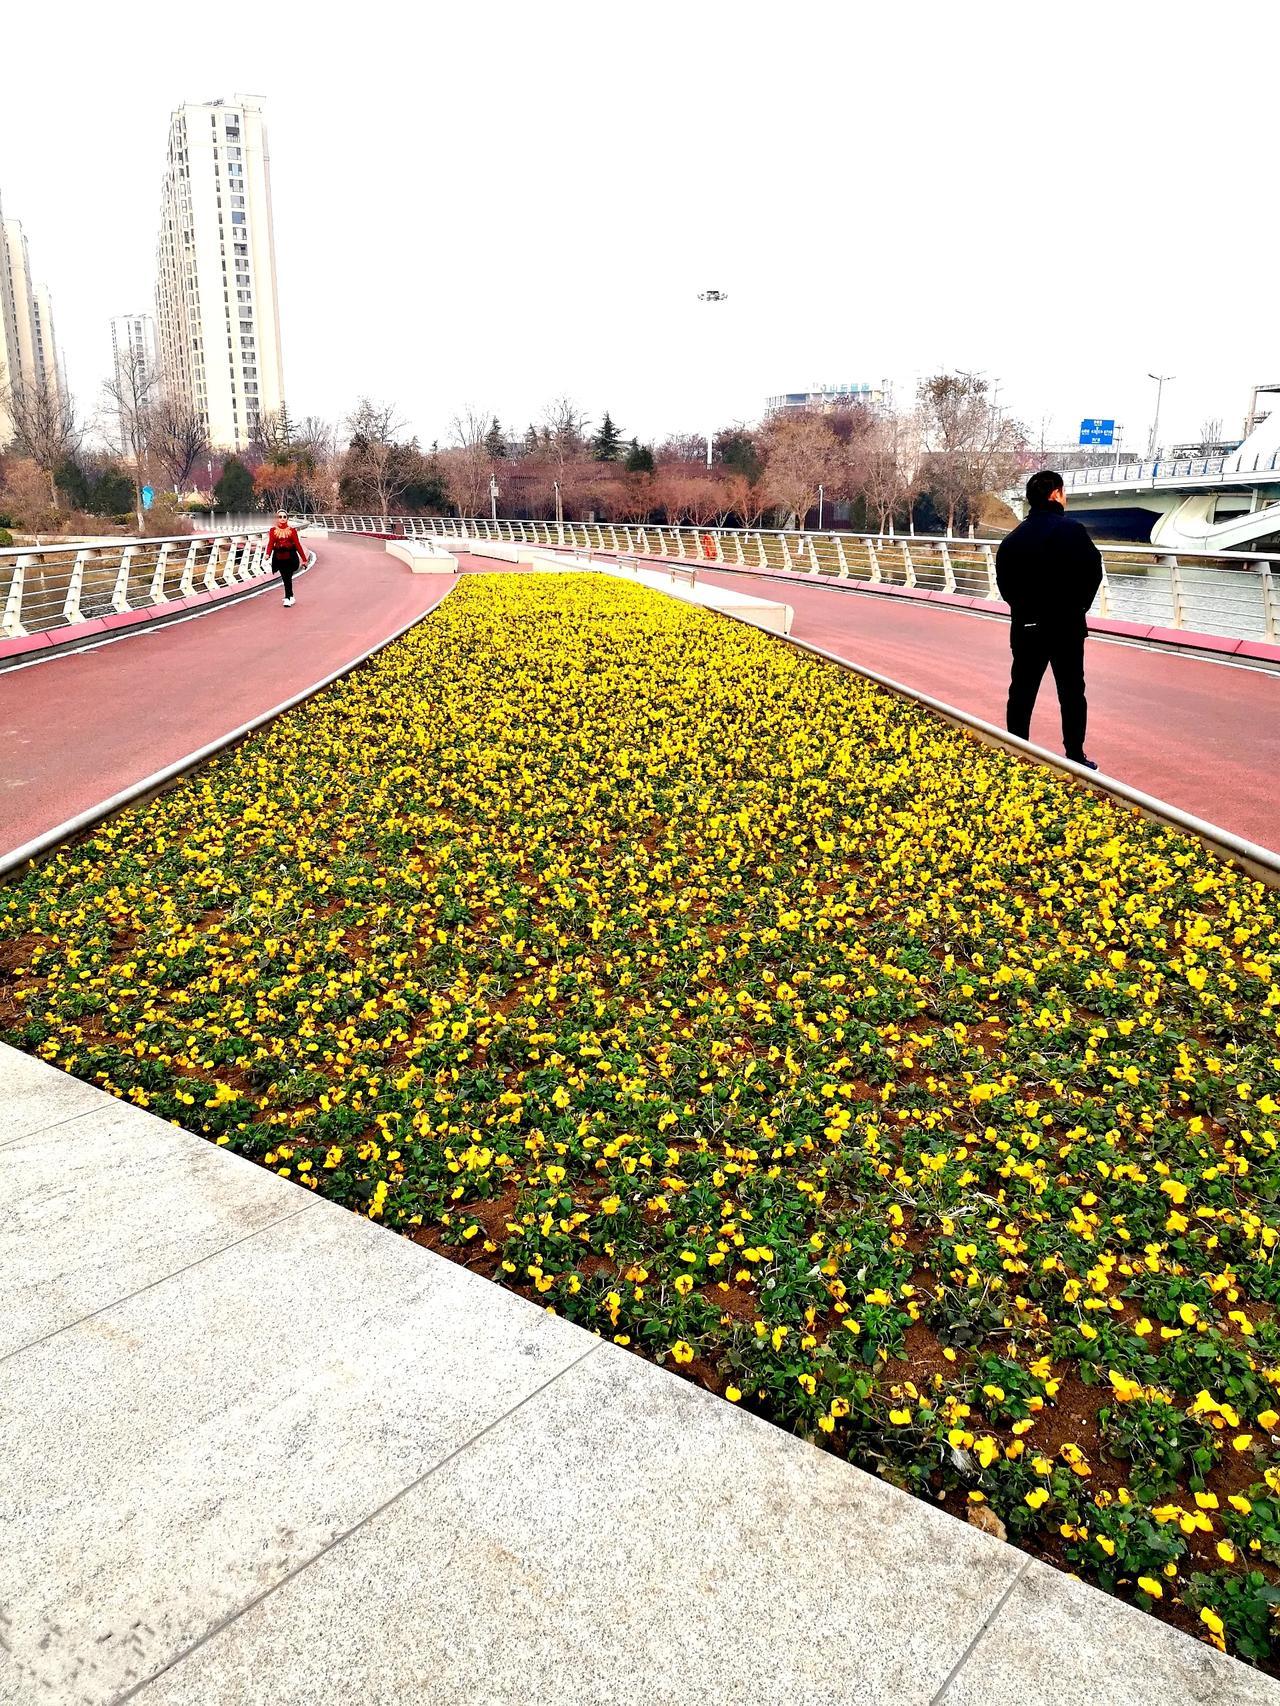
(285, 563)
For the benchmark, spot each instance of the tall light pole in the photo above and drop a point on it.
(559, 511)
(821, 495)
(712, 296)
(493, 498)
(1161, 379)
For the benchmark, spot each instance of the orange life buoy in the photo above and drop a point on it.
(708, 547)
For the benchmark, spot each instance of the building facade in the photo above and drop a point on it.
(822, 399)
(217, 319)
(28, 345)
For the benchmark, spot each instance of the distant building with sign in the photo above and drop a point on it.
(821, 399)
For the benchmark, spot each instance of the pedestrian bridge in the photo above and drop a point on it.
(1210, 503)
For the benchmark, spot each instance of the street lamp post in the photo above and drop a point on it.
(559, 511)
(493, 498)
(1161, 379)
(712, 296)
(821, 496)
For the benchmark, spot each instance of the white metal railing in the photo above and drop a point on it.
(1213, 469)
(1228, 593)
(50, 587)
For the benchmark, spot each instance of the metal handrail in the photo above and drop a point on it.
(53, 587)
(1153, 471)
(1226, 593)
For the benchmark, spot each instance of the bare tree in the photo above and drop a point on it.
(45, 427)
(468, 465)
(177, 437)
(374, 459)
(970, 446)
(799, 452)
(129, 394)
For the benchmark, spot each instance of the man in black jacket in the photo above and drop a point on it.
(1048, 571)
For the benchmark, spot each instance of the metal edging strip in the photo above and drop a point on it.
(138, 792)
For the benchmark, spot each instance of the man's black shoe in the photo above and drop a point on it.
(1079, 758)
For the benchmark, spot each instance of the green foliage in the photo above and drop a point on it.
(1246, 1604)
(737, 452)
(495, 441)
(639, 459)
(110, 494)
(1162, 1444)
(74, 484)
(606, 446)
(6, 538)
(235, 490)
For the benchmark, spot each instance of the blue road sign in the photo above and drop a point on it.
(1097, 432)
(148, 496)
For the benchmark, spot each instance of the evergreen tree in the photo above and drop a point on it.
(639, 459)
(495, 443)
(606, 446)
(530, 439)
(234, 491)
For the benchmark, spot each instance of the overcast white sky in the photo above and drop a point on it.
(494, 204)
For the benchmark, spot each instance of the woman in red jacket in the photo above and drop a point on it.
(284, 549)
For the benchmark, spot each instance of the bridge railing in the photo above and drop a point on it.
(1149, 473)
(50, 587)
(1232, 594)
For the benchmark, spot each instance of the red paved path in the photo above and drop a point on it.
(1201, 735)
(76, 729)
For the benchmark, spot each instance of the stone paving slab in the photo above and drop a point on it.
(1057, 1639)
(624, 1536)
(110, 1201)
(176, 1454)
(34, 1095)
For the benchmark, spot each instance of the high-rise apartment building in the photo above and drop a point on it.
(28, 347)
(217, 322)
(133, 343)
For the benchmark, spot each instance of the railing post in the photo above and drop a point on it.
(211, 567)
(120, 593)
(229, 567)
(1175, 583)
(813, 556)
(760, 551)
(71, 604)
(786, 553)
(11, 622)
(662, 541)
(155, 591)
(187, 585)
(841, 558)
(1270, 615)
(909, 567)
(1104, 592)
(876, 576)
(948, 571)
(989, 558)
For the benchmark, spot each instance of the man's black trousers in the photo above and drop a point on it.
(1038, 646)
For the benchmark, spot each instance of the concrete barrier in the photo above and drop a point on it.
(682, 584)
(422, 556)
(500, 550)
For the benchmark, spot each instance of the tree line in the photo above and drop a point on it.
(875, 467)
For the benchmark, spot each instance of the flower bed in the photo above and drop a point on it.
(749, 1015)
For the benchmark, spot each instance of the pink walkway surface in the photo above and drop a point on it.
(76, 729)
(1201, 734)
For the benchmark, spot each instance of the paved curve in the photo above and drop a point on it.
(75, 729)
(1197, 733)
